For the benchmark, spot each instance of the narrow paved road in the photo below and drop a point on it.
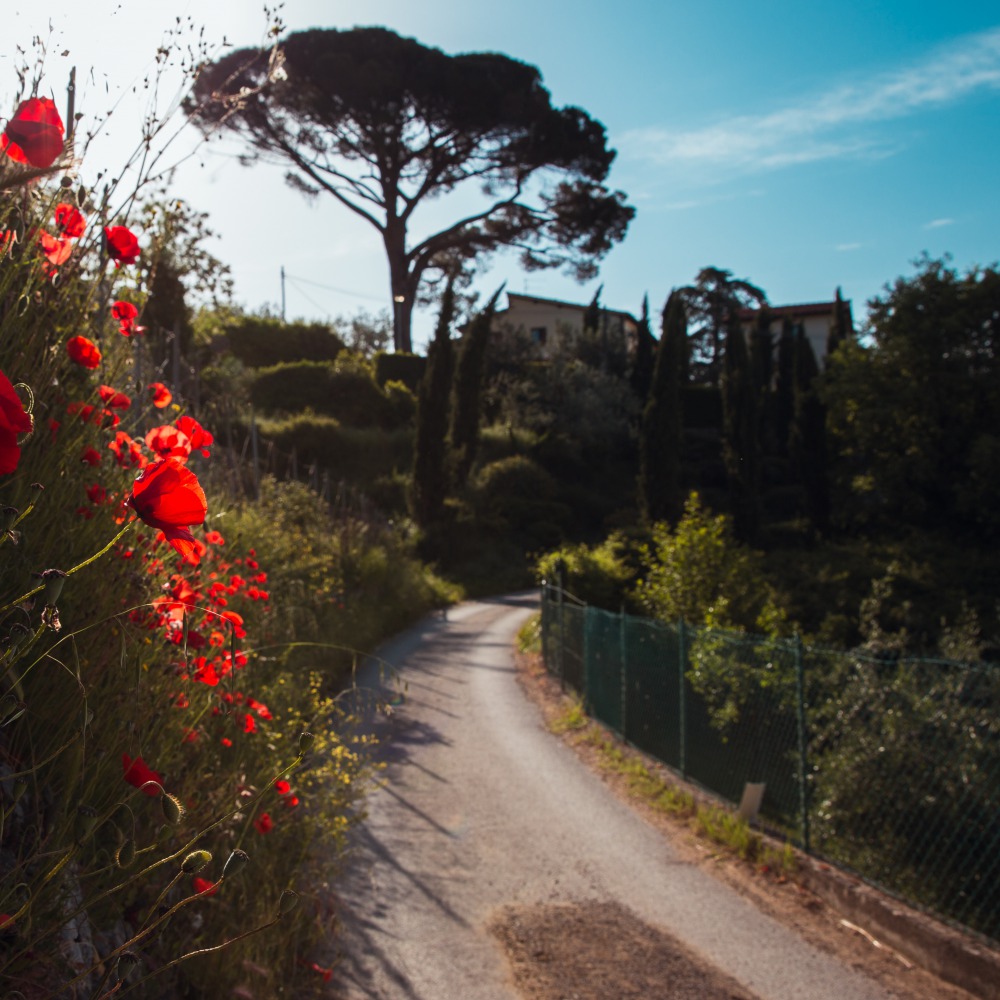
(482, 807)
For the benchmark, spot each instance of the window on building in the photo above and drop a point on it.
(539, 334)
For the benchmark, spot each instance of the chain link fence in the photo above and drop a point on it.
(886, 765)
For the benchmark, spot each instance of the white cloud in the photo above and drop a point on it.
(938, 223)
(826, 126)
(845, 247)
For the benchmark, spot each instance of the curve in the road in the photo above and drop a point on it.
(480, 807)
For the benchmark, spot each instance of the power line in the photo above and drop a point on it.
(332, 288)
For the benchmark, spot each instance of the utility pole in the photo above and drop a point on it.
(282, 293)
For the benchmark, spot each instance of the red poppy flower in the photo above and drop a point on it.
(327, 974)
(214, 538)
(168, 441)
(55, 250)
(263, 823)
(199, 437)
(128, 452)
(123, 247)
(70, 220)
(138, 772)
(226, 741)
(35, 134)
(126, 313)
(291, 801)
(168, 496)
(83, 352)
(260, 708)
(91, 456)
(282, 787)
(114, 399)
(205, 887)
(249, 723)
(97, 493)
(162, 397)
(13, 421)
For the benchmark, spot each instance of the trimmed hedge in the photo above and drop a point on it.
(260, 342)
(405, 368)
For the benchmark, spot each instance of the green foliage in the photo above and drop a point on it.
(357, 455)
(343, 389)
(430, 457)
(908, 411)
(698, 572)
(740, 433)
(517, 495)
(346, 583)
(661, 430)
(261, 341)
(463, 430)
(601, 575)
(400, 367)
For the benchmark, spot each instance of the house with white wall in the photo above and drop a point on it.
(553, 325)
(816, 319)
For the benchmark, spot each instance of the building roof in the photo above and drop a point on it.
(800, 311)
(560, 304)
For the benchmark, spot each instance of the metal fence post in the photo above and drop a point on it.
(562, 631)
(623, 656)
(681, 705)
(803, 744)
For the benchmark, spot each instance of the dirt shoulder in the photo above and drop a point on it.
(548, 950)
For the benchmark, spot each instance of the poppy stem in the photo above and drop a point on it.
(69, 572)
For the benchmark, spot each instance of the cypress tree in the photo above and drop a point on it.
(762, 378)
(784, 387)
(807, 437)
(463, 435)
(740, 448)
(840, 327)
(661, 430)
(429, 485)
(641, 375)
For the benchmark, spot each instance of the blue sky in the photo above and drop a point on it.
(801, 146)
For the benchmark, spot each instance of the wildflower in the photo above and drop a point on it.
(196, 434)
(167, 440)
(127, 452)
(214, 538)
(138, 773)
(55, 249)
(70, 220)
(162, 397)
(13, 421)
(35, 134)
(123, 247)
(168, 496)
(249, 723)
(204, 886)
(282, 787)
(83, 352)
(91, 456)
(114, 399)
(125, 313)
(263, 823)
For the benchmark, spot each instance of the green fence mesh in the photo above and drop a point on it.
(887, 766)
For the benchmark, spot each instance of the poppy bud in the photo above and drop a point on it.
(53, 580)
(195, 861)
(173, 811)
(17, 634)
(306, 741)
(125, 963)
(238, 860)
(7, 517)
(288, 901)
(125, 854)
(86, 820)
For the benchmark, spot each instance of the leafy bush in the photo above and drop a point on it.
(405, 368)
(260, 341)
(346, 392)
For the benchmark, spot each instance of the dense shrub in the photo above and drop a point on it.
(260, 341)
(405, 368)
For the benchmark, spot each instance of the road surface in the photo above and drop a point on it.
(482, 808)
